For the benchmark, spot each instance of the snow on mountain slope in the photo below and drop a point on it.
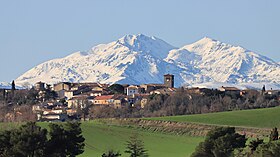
(5, 85)
(242, 86)
(131, 59)
(136, 59)
(233, 64)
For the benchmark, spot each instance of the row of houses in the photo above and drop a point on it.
(82, 95)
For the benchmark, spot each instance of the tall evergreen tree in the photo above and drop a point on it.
(274, 135)
(56, 146)
(29, 140)
(13, 86)
(135, 147)
(74, 139)
(263, 89)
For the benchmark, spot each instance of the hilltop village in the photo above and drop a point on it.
(67, 101)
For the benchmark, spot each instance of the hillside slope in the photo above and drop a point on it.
(259, 118)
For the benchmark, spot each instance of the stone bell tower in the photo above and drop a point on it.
(169, 80)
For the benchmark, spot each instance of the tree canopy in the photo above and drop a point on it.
(30, 140)
(220, 142)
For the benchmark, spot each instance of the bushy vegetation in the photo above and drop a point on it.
(111, 153)
(220, 142)
(225, 142)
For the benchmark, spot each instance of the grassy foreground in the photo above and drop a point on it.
(100, 138)
(259, 118)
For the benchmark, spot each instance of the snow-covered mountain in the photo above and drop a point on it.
(136, 59)
(5, 85)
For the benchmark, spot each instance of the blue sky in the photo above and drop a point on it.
(33, 31)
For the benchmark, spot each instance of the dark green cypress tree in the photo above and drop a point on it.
(263, 89)
(13, 87)
(4, 94)
(274, 134)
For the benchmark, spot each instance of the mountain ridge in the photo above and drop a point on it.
(136, 59)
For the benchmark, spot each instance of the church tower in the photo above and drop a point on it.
(169, 80)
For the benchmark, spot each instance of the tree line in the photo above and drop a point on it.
(182, 103)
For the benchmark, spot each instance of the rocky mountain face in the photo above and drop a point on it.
(137, 59)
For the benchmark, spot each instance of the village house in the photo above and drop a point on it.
(230, 90)
(150, 87)
(61, 87)
(143, 98)
(119, 101)
(69, 90)
(104, 100)
(55, 113)
(164, 91)
(137, 98)
(115, 101)
(134, 89)
(197, 90)
(68, 94)
(53, 117)
(47, 106)
(39, 86)
(80, 101)
(272, 92)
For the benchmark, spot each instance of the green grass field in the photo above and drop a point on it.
(259, 118)
(100, 138)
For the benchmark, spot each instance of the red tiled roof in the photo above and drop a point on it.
(104, 97)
